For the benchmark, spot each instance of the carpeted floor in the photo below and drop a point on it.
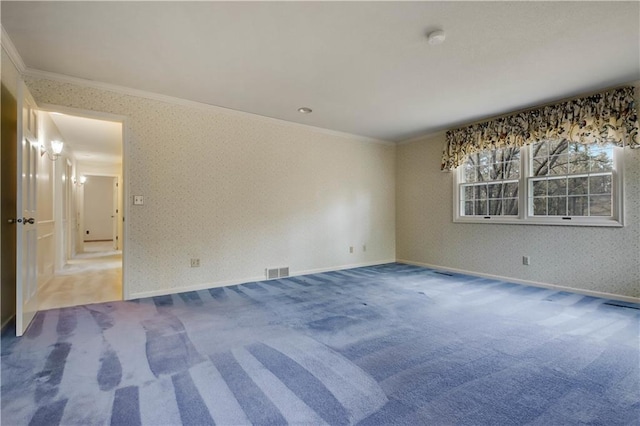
(391, 344)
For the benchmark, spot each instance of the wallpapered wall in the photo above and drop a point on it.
(48, 131)
(238, 192)
(587, 258)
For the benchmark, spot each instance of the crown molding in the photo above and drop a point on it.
(10, 48)
(34, 73)
(422, 137)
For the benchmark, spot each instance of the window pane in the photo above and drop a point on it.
(510, 206)
(600, 184)
(495, 171)
(557, 187)
(495, 190)
(579, 206)
(601, 158)
(557, 206)
(469, 172)
(540, 206)
(558, 165)
(495, 207)
(600, 205)
(481, 207)
(578, 185)
(512, 170)
(468, 193)
(510, 190)
(539, 150)
(480, 192)
(539, 167)
(557, 146)
(468, 208)
(540, 188)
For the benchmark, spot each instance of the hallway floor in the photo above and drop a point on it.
(94, 276)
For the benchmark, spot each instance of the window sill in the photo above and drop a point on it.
(556, 221)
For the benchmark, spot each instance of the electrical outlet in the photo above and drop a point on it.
(526, 260)
(350, 249)
(138, 200)
(195, 263)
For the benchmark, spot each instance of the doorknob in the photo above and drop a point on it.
(30, 220)
(12, 221)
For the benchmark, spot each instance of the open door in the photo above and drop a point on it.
(114, 214)
(27, 232)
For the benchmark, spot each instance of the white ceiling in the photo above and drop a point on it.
(363, 67)
(90, 140)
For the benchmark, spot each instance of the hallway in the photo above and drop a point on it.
(94, 276)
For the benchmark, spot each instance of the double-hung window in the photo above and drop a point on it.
(555, 182)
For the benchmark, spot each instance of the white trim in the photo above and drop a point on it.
(11, 50)
(204, 286)
(599, 294)
(30, 72)
(524, 191)
(122, 119)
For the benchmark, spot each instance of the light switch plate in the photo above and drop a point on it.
(138, 200)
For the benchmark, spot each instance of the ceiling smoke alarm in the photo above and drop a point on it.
(436, 37)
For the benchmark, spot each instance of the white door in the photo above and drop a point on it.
(27, 232)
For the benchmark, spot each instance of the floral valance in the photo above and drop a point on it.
(602, 118)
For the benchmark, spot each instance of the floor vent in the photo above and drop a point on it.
(273, 273)
(442, 273)
(283, 272)
(633, 305)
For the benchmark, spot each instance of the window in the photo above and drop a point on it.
(550, 182)
(491, 183)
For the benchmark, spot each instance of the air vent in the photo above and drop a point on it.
(273, 273)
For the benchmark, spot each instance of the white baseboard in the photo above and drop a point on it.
(600, 294)
(204, 286)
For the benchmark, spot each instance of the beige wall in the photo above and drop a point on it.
(239, 192)
(605, 260)
(46, 195)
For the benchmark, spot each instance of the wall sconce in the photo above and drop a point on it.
(81, 181)
(56, 150)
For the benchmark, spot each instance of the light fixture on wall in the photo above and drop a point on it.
(56, 150)
(81, 181)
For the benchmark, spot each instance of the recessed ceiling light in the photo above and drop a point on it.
(436, 37)
(305, 110)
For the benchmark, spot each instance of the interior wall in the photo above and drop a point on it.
(605, 260)
(239, 192)
(8, 187)
(47, 194)
(98, 208)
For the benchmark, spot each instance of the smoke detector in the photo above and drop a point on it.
(436, 37)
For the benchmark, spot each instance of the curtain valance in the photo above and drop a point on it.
(605, 117)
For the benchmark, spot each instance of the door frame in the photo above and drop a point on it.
(125, 181)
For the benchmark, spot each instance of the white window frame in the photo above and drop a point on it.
(525, 218)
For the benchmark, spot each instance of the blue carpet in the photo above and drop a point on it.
(385, 345)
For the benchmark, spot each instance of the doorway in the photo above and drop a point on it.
(89, 200)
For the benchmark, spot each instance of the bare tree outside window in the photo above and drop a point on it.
(571, 179)
(563, 178)
(491, 183)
